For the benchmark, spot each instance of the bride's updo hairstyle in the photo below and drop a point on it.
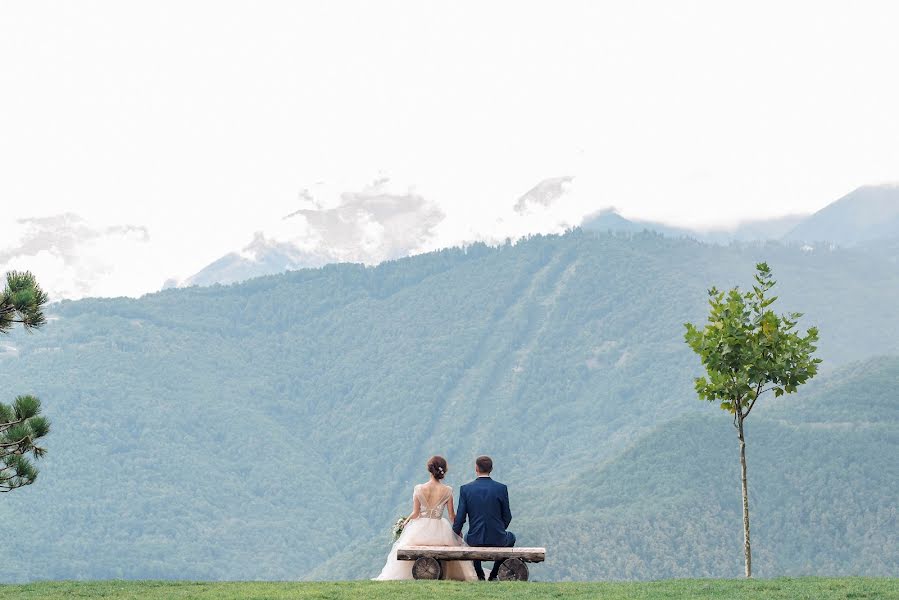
(437, 467)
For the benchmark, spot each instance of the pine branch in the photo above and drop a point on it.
(11, 444)
(11, 424)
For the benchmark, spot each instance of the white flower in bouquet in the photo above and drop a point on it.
(398, 528)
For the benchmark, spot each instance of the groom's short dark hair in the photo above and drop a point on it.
(484, 464)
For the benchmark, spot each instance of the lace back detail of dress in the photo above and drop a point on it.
(436, 511)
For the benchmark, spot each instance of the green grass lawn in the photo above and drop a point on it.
(811, 588)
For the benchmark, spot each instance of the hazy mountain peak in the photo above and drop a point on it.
(609, 219)
(870, 212)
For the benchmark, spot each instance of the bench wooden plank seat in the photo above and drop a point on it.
(427, 559)
(470, 553)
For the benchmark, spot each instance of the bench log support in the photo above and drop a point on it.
(512, 569)
(427, 568)
(512, 566)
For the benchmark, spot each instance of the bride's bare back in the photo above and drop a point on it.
(429, 499)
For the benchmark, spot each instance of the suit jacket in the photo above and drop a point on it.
(485, 503)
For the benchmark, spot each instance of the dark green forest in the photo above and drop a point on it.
(274, 429)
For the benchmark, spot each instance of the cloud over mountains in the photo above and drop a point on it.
(384, 221)
(72, 257)
(371, 225)
(545, 193)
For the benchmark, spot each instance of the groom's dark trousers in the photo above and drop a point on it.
(485, 503)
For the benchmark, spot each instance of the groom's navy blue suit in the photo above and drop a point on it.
(486, 505)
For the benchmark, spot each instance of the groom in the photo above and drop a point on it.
(486, 504)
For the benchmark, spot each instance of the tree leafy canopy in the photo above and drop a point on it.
(747, 349)
(744, 347)
(21, 424)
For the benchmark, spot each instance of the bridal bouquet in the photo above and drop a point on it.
(398, 528)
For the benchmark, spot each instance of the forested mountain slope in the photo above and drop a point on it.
(823, 481)
(274, 429)
(822, 475)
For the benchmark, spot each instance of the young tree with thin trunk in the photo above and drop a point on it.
(748, 350)
(21, 424)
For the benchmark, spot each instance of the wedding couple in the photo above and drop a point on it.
(483, 502)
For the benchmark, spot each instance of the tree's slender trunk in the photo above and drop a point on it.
(747, 550)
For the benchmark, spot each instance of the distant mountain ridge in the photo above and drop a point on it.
(867, 214)
(760, 230)
(403, 222)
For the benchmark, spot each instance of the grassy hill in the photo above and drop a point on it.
(274, 429)
(786, 589)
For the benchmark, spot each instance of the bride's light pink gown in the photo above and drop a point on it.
(429, 529)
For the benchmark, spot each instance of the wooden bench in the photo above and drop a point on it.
(427, 559)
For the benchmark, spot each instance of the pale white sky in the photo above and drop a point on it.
(199, 123)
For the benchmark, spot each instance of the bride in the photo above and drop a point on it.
(427, 527)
